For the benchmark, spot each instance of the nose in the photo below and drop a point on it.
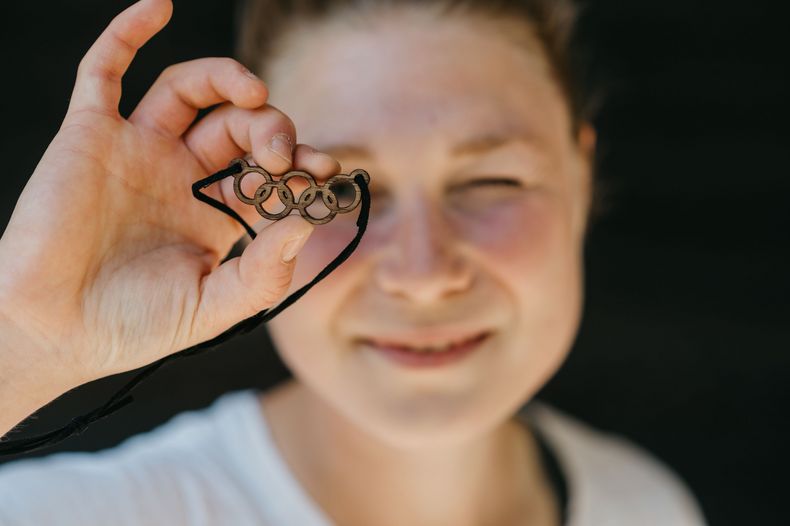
(422, 262)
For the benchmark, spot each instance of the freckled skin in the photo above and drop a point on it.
(507, 258)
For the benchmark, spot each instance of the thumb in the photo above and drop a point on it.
(252, 282)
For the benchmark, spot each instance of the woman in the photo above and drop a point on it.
(414, 361)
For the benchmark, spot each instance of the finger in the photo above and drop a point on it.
(181, 90)
(256, 280)
(230, 132)
(318, 164)
(98, 84)
(321, 165)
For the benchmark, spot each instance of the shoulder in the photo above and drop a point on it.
(154, 476)
(610, 479)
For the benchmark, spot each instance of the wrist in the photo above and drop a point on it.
(27, 381)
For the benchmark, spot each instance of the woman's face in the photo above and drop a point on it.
(480, 199)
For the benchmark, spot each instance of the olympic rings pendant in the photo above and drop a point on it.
(306, 198)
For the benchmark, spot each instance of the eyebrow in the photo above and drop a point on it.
(472, 146)
(484, 143)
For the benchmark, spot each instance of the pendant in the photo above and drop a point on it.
(331, 192)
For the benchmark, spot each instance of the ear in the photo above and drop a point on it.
(587, 139)
(586, 142)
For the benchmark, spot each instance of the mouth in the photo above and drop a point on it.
(426, 354)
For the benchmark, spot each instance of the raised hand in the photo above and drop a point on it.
(109, 262)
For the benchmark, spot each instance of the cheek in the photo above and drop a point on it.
(304, 332)
(528, 247)
(518, 237)
(325, 244)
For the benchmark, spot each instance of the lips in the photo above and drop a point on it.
(425, 344)
(427, 350)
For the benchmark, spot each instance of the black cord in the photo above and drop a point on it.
(122, 397)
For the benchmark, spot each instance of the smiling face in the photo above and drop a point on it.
(480, 201)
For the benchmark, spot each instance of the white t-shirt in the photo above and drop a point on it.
(220, 466)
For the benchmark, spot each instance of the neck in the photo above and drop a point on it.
(357, 479)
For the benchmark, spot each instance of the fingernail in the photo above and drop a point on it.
(292, 247)
(280, 145)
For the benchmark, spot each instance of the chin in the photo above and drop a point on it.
(424, 409)
(427, 434)
(430, 419)
(408, 406)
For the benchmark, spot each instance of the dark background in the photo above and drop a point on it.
(684, 343)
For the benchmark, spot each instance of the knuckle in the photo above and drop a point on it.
(216, 65)
(83, 65)
(277, 283)
(87, 64)
(170, 71)
(211, 63)
(120, 41)
(207, 65)
(228, 63)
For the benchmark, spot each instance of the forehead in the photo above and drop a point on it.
(408, 78)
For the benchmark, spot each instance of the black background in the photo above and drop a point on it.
(684, 343)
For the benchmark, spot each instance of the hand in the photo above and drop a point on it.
(109, 262)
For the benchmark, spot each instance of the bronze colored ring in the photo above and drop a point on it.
(306, 198)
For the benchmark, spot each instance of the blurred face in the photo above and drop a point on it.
(464, 295)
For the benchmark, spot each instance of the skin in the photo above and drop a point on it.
(396, 96)
(131, 273)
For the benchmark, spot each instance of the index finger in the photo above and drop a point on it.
(98, 85)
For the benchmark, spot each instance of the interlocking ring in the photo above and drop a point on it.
(306, 198)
